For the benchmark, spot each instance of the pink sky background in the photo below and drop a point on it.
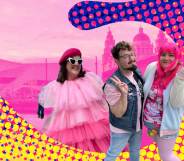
(32, 29)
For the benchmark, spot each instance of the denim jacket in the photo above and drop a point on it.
(172, 116)
(129, 120)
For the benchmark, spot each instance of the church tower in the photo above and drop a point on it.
(107, 59)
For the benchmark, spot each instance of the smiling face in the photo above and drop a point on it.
(73, 67)
(126, 60)
(166, 58)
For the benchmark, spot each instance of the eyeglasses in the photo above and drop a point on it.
(126, 56)
(74, 61)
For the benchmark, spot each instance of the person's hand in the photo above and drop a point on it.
(40, 111)
(123, 87)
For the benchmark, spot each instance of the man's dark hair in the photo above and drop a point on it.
(122, 45)
(62, 75)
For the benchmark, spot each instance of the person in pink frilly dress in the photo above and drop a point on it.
(80, 113)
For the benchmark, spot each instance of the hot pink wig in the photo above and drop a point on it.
(163, 76)
(170, 48)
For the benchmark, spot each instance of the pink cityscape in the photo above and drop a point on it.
(33, 41)
(20, 83)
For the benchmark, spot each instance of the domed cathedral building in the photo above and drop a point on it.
(108, 64)
(142, 44)
(146, 52)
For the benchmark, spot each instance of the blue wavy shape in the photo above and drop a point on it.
(164, 14)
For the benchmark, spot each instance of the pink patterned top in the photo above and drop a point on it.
(153, 109)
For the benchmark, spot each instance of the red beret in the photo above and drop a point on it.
(69, 53)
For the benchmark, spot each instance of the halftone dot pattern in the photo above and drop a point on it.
(20, 141)
(164, 14)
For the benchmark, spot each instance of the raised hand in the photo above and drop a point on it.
(123, 87)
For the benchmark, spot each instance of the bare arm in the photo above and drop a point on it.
(120, 107)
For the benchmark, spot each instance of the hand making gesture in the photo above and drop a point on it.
(123, 87)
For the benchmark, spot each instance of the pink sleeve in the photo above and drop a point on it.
(112, 94)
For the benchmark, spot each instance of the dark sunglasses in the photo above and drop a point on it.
(74, 61)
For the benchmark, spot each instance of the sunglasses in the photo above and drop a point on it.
(74, 61)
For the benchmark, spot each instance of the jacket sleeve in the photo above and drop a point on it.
(177, 90)
(40, 111)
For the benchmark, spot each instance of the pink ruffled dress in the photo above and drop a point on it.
(80, 113)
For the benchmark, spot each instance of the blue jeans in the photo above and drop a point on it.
(120, 140)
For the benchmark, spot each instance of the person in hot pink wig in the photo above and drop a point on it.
(161, 117)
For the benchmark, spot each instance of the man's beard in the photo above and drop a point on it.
(132, 68)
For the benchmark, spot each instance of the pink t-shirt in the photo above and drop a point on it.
(153, 109)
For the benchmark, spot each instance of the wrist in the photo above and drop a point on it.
(124, 94)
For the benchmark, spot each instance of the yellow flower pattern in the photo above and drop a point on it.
(20, 141)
